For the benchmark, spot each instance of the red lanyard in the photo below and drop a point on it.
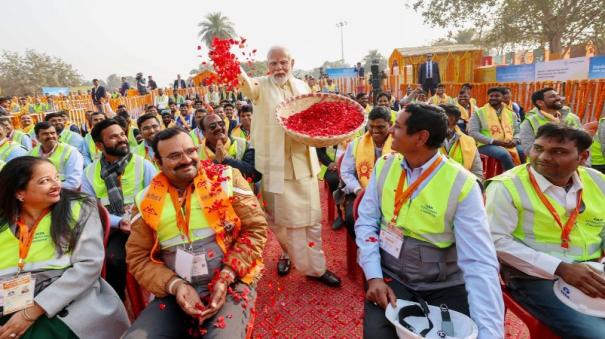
(401, 196)
(571, 222)
(26, 237)
(182, 221)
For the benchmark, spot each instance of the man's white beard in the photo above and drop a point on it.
(281, 80)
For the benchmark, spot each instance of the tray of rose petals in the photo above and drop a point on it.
(320, 119)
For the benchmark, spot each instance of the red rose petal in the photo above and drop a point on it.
(162, 306)
(311, 244)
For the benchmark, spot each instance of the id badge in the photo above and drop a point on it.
(190, 265)
(17, 293)
(391, 240)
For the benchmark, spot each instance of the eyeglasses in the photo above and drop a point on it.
(177, 156)
(216, 125)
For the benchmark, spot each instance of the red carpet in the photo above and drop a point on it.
(297, 307)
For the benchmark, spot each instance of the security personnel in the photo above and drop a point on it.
(495, 129)
(14, 135)
(149, 125)
(8, 149)
(91, 152)
(459, 146)
(548, 108)
(546, 219)
(68, 161)
(361, 155)
(114, 180)
(437, 207)
(66, 136)
(598, 147)
(234, 152)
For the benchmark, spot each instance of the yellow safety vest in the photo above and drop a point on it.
(6, 149)
(236, 150)
(132, 181)
(536, 227)
(95, 153)
(596, 152)
(429, 216)
(463, 151)
(536, 120)
(42, 253)
(58, 157)
(507, 119)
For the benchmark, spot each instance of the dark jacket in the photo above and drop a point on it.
(422, 73)
(97, 94)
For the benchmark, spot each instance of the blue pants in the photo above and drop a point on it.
(501, 154)
(539, 299)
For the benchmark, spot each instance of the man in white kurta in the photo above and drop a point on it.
(289, 185)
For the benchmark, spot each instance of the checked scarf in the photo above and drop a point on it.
(111, 173)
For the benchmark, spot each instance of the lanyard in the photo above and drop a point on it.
(26, 237)
(182, 221)
(565, 229)
(401, 196)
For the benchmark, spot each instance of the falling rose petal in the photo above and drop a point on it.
(162, 306)
(242, 40)
(311, 244)
(371, 239)
(210, 254)
(253, 51)
(199, 47)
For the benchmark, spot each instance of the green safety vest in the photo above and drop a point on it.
(58, 158)
(236, 150)
(141, 150)
(429, 216)
(132, 140)
(536, 227)
(42, 253)
(132, 181)
(596, 152)
(65, 136)
(7, 149)
(95, 154)
(168, 232)
(18, 137)
(331, 153)
(196, 135)
(536, 119)
(2, 163)
(482, 115)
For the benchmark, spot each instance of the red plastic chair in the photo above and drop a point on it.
(491, 167)
(351, 246)
(106, 223)
(536, 328)
(135, 295)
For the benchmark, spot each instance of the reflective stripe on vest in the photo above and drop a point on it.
(536, 227)
(428, 216)
(168, 232)
(42, 254)
(238, 148)
(6, 150)
(596, 151)
(58, 158)
(132, 181)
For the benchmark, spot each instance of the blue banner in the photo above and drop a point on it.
(515, 73)
(596, 69)
(335, 73)
(55, 90)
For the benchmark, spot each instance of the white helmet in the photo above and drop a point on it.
(419, 320)
(576, 299)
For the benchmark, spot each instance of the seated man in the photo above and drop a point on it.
(495, 129)
(466, 107)
(16, 136)
(149, 125)
(66, 158)
(440, 97)
(66, 136)
(546, 219)
(422, 224)
(91, 152)
(196, 133)
(459, 146)
(235, 152)
(8, 149)
(202, 265)
(548, 108)
(360, 157)
(245, 120)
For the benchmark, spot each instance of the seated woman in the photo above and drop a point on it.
(53, 236)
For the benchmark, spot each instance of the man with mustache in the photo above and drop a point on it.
(8, 149)
(149, 125)
(14, 135)
(91, 152)
(546, 220)
(232, 151)
(57, 119)
(289, 168)
(197, 239)
(548, 108)
(114, 180)
(66, 158)
(196, 133)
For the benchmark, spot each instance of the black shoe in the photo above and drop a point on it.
(330, 279)
(337, 224)
(283, 266)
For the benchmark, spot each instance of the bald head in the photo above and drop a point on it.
(279, 63)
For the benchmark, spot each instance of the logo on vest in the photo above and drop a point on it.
(40, 236)
(428, 209)
(596, 222)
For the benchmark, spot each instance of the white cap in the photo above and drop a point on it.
(576, 299)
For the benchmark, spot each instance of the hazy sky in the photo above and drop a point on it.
(159, 38)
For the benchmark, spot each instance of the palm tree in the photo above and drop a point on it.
(215, 25)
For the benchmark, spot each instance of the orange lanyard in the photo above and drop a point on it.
(26, 237)
(182, 221)
(571, 222)
(401, 196)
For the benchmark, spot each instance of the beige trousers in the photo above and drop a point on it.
(295, 218)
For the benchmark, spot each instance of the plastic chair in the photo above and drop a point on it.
(351, 246)
(491, 167)
(536, 328)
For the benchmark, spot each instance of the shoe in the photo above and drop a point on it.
(337, 224)
(330, 279)
(283, 266)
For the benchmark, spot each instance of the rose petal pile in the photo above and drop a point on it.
(325, 119)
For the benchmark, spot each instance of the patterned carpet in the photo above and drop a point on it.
(297, 307)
